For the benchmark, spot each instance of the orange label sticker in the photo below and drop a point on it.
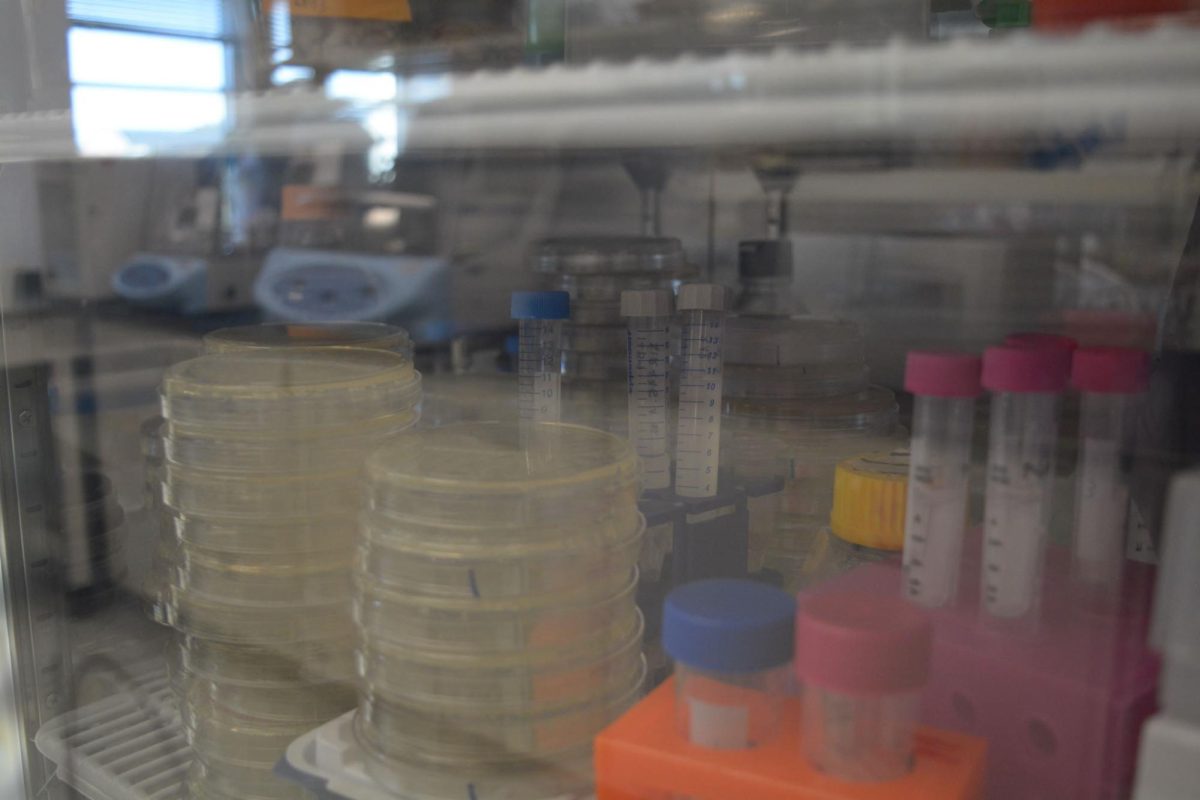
(390, 10)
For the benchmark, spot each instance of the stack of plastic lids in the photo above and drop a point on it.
(798, 401)
(495, 601)
(262, 482)
(595, 270)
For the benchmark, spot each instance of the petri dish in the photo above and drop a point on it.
(776, 342)
(284, 703)
(265, 578)
(311, 539)
(205, 493)
(257, 624)
(482, 737)
(231, 782)
(365, 335)
(320, 450)
(288, 390)
(476, 474)
(322, 661)
(566, 776)
(225, 739)
(490, 566)
(529, 683)
(611, 255)
(480, 625)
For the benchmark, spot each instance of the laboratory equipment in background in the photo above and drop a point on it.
(594, 271)
(539, 354)
(765, 279)
(1169, 763)
(90, 524)
(262, 459)
(702, 308)
(866, 523)
(798, 402)
(731, 641)
(1112, 382)
(944, 387)
(863, 664)
(495, 601)
(1025, 382)
(726, 725)
(648, 352)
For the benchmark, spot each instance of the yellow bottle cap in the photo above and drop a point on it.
(869, 496)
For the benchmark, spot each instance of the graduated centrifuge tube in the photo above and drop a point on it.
(732, 645)
(539, 360)
(944, 388)
(698, 444)
(648, 337)
(1025, 383)
(1111, 381)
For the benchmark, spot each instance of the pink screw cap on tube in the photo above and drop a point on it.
(1110, 370)
(932, 374)
(864, 660)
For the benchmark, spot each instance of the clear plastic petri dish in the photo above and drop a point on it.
(594, 339)
(209, 493)
(775, 342)
(496, 625)
(520, 682)
(798, 381)
(289, 335)
(611, 255)
(293, 451)
(258, 624)
(288, 390)
(489, 566)
(323, 661)
(310, 539)
(402, 730)
(265, 578)
(224, 739)
(231, 782)
(552, 479)
(283, 703)
(566, 776)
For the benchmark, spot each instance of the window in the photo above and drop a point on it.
(141, 68)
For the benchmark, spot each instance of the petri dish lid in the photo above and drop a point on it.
(272, 389)
(365, 335)
(586, 255)
(765, 341)
(873, 408)
(491, 458)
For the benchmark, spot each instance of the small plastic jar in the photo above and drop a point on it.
(732, 645)
(864, 660)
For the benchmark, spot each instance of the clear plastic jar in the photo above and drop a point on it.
(863, 660)
(732, 645)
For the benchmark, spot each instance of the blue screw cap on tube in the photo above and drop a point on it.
(541, 305)
(728, 625)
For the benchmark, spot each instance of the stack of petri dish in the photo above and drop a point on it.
(289, 335)
(495, 601)
(262, 455)
(797, 402)
(595, 270)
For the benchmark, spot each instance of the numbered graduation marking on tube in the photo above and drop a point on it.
(649, 357)
(1014, 533)
(700, 379)
(539, 381)
(936, 511)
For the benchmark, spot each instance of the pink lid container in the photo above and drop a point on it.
(942, 374)
(1035, 339)
(860, 643)
(1017, 368)
(1110, 370)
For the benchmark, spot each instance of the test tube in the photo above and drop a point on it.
(863, 660)
(1025, 383)
(732, 645)
(1110, 379)
(944, 388)
(648, 358)
(539, 359)
(698, 443)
